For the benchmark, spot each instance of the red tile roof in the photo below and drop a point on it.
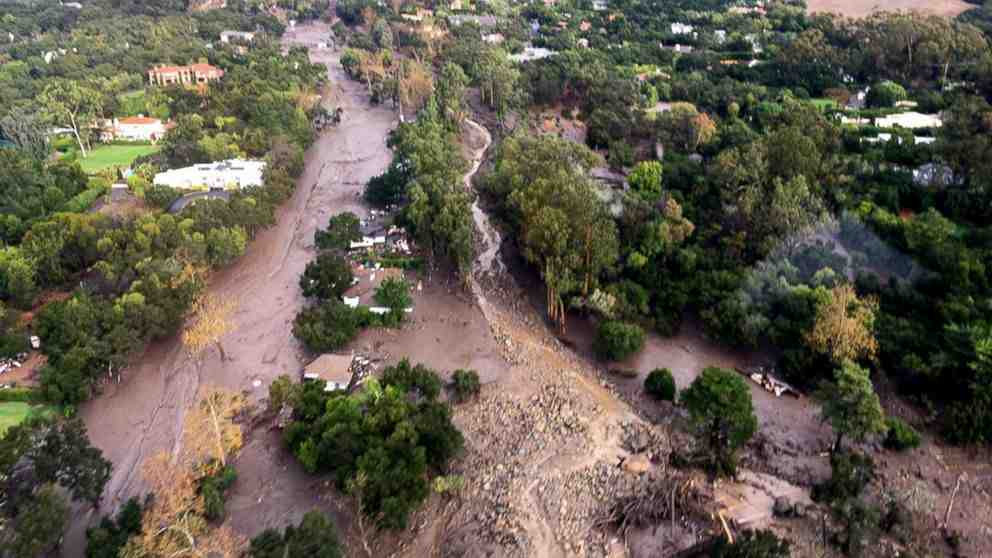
(139, 120)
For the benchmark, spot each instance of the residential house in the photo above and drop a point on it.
(532, 53)
(584, 25)
(681, 49)
(493, 38)
(682, 29)
(243, 36)
(233, 174)
(483, 21)
(334, 370)
(133, 128)
(720, 35)
(194, 74)
(583, 43)
(909, 120)
(366, 280)
(600, 5)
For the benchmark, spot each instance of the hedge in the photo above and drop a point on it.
(24, 395)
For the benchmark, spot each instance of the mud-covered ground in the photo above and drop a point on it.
(861, 8)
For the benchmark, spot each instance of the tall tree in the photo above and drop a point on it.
(720, 408)
(211, 320)
(27, 131)
(73, 105)
(851, 405)
(209, 431)
(844, 326)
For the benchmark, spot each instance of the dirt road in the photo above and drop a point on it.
(144, 414)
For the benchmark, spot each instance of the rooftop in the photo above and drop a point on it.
(333, 369)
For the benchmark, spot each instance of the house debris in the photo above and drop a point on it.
(761, 376)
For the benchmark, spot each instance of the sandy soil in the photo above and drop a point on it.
(861, 8)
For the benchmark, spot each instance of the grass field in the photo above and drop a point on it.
(106, 156)
(11, 414)
(824, 104)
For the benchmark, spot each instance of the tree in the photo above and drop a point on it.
(844, 324)
(342, 229)
(37, 528)
(210, 432)
(314, 537)
(73, 105)
(382, 34)
(211, 321)
(109, 538)
(327, 326)
(27, 131)
(885, 94)
(174, 524)
(721, 411)
(851, 405)
(41, 451)
(17, 277)
(685, 127)
(450, 92)
(394, 294)
(327, 277)
(618, 340)
(383, 442)
(645, 179)
(660, 384)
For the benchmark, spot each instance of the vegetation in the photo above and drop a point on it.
(900, 436)
(720, 408)
(111, 535)
(660, 384)
(315, 537)
(357, 438)
(618, 340)
(465, 384)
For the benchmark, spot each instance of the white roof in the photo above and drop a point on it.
(236, 173)
(910, 120)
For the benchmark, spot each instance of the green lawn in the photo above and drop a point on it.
(12, 413)
(106, 156)
(824, 104)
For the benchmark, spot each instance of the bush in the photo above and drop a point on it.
(753, 544)
(84, 200)
(315, 537)
(25, 395)
(213, 488)
(722, 414)
(660, 384)
(465, 384)
(162, 196)
(901, 436)
(618, 340)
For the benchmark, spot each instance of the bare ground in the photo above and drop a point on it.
(861, 8)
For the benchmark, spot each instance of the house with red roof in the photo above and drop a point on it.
(133, 128)
(193, 74)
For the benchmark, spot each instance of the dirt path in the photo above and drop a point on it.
(144, 414)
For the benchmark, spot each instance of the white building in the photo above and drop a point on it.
(682, 29)
(233, 174)
(532, 53)
(600, 5)
(226, 36)
(909, 120)
(134, 128)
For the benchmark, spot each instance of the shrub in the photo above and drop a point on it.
(885, 94)
(465, 384)
(25, 395)
(901, 436)
(213, 488)
(618, 340)
(753, 544)
(315, 537)
(109, 538)
(660, 384)
(162, 196)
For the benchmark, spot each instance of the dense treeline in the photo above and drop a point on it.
(132, 280)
